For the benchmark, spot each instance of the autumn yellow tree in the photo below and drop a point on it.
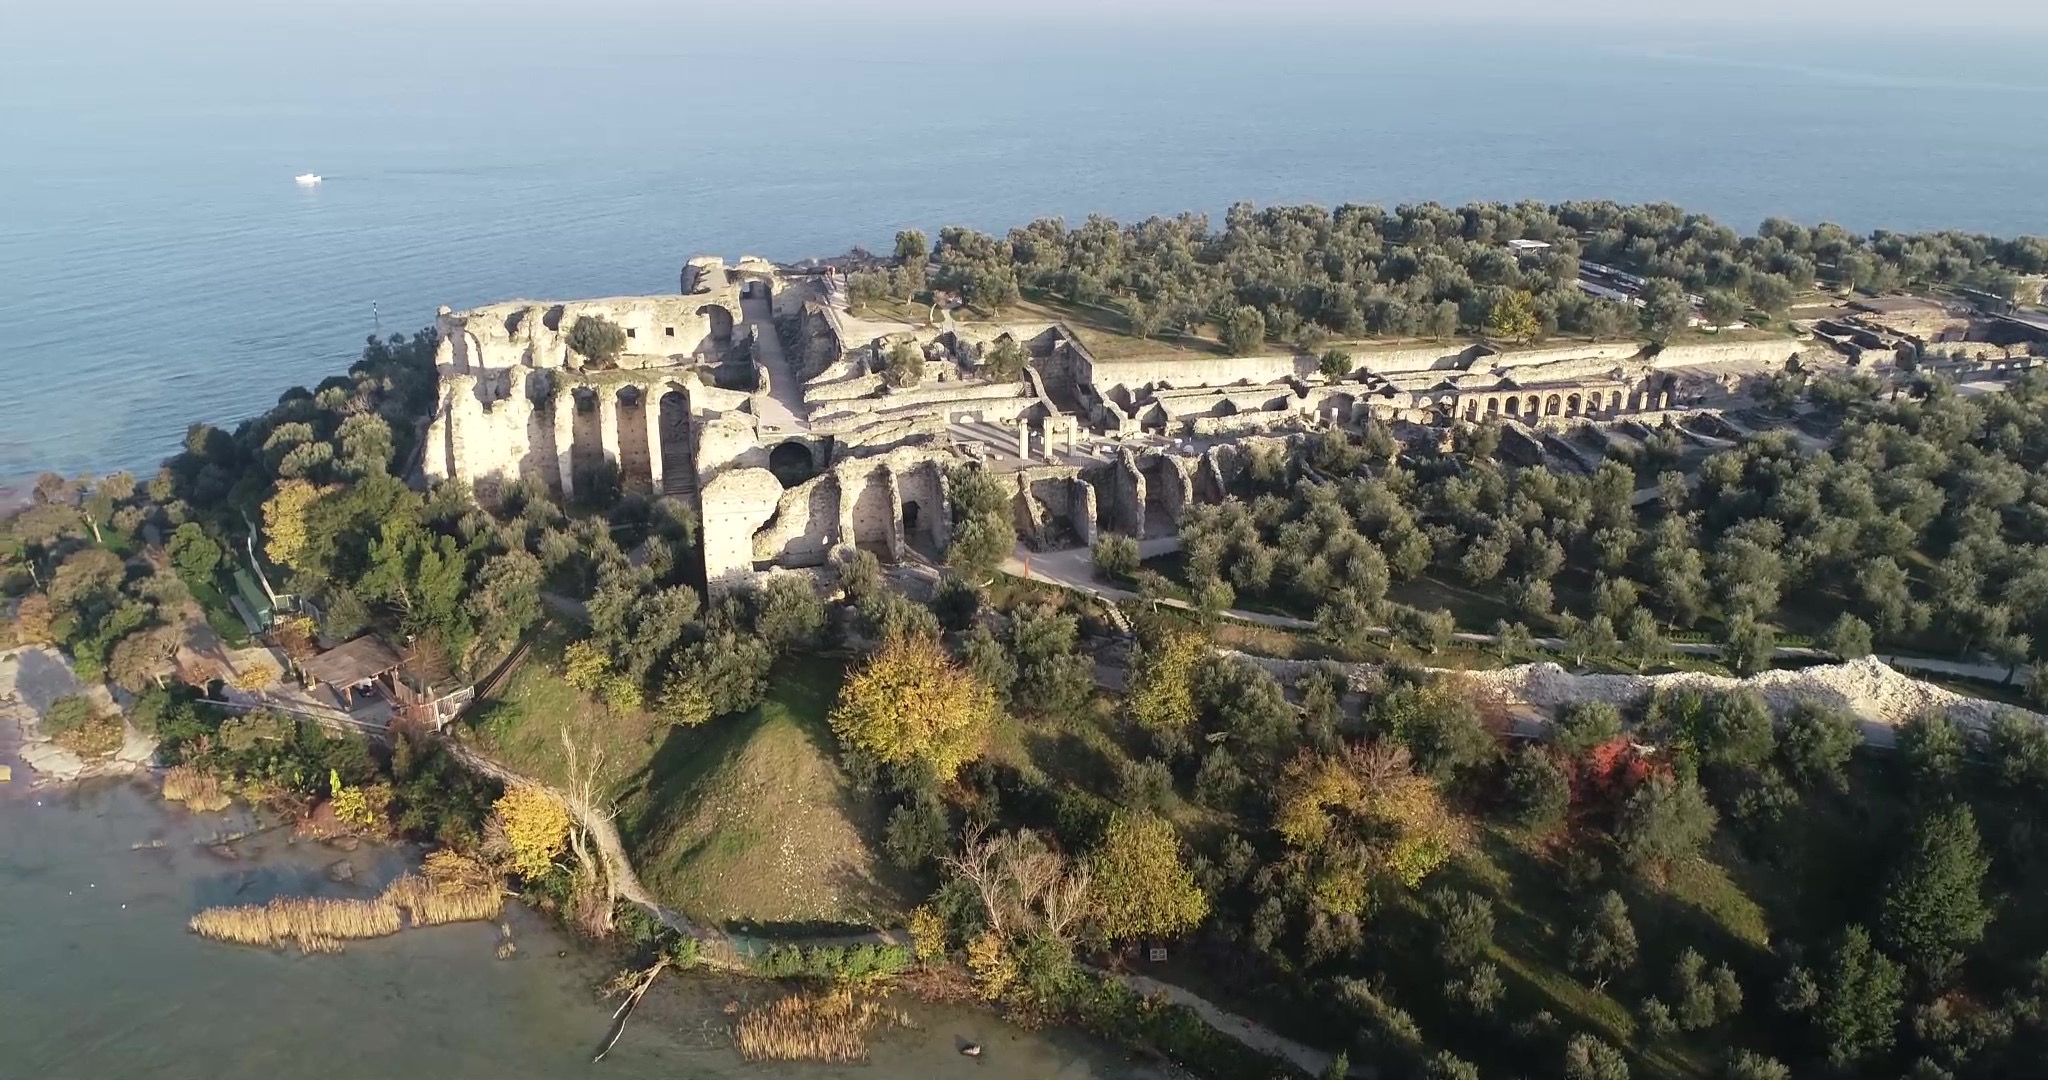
(1141, 885)
(1514, 317)
(911, 704)
(536, 828)
(284, 522)
(1312, 788)
(1162, 690)
(585, 666)
(1371, 799)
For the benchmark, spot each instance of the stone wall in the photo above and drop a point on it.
(736, 502)
(1183, 372)
(1551, 354)
(1769, 351)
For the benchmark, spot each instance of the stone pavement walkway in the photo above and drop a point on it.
(781, 409)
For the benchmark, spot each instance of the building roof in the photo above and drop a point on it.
(360, 660)
(1528, 245)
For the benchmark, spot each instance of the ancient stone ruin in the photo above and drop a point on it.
(759, 396)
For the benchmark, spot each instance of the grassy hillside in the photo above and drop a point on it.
(749, 818)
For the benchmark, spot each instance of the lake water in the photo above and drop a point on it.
(101, 978)
(158, 265)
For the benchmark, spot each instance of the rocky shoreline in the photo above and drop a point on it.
(31, 677)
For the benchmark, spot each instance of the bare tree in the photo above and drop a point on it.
(1024, 884)
(587, 784)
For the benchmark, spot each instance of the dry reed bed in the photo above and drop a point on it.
(199, 791)
(831, 1028)
(449, 889)
(315, 924)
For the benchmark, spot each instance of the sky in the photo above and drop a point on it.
(111, 17)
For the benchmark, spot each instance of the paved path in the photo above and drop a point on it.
(781, 409)
(1250, 1033)
(1074, 568)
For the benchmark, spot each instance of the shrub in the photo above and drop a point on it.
(597, 338)
(69, 713)
(1116, 555)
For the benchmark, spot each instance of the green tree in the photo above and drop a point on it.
(1587, 1058)
(1931, 751)
(1006, 360)
(912, 247)
(597, 339)
(1857, 1008)
(1464, 926)
(1667, 820)
(904, 366)
(1584, 725)
(193, 553)
(1848, 637)
(1605, 945)
(1722, 307)
(1815, 743)
(787, 614)
(1538, 793)
(1441, 320)
(1750, 1065)
(1513, 317)
(1335, 364)
(505, 599)
(1934, 904)
(1141, 885)
(984, 531)
(1244, 332)
(1116, 555)
(1749, 644)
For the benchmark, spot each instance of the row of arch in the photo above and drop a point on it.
(641, 431)
(1530, 407)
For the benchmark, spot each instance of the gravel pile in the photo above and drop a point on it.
(1868, 687)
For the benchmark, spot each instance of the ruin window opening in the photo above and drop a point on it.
(910, 514)
(792, 463)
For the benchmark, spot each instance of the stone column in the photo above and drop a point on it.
(1071, 425)
(565, 439)
(608, 424)
(1024, 438)
(651, 409)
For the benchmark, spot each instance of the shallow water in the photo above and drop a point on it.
(102, 979)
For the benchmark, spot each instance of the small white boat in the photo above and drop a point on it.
(306, 179)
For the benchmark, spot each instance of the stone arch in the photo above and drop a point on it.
(1492, 406)
(718, 334)
(1614, 402)
(1515, 407)
(1571, 405)
(586, 438)
(1533, 408)
(678, 453)
(792, 462)
(636, 465)
(1224, 407)
(1552, 404)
